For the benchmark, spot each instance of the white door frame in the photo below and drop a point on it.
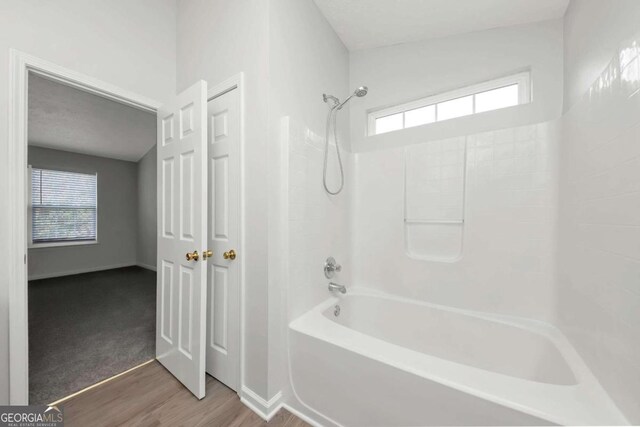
(237, 82)
(21, 64)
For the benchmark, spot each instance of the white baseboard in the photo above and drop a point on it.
(147, 266)
(79, 271)
(265, 409)
(302, 416)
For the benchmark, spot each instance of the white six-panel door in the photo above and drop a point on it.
(182, 229)
(223, 303)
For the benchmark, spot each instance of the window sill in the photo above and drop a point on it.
(60, 244)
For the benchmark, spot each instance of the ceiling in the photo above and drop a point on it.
(69, 119)
(363, 24)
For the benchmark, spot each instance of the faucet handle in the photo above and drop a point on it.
(330, 268)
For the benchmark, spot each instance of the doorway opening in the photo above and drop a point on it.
(91, 242)
(24, 68)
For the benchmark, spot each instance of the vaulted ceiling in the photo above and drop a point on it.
(363, 24)
(69, 119)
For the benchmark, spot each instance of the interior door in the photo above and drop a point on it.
(223, 305)
(182, 232)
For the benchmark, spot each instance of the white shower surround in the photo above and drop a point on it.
(510, 215)
(508, 238)
(599, 227)
(508, 268)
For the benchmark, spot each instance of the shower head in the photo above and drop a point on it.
(360, 92)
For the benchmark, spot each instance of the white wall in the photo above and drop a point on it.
(119, 42)
(410, 71)
(117, 216)
(126, 215)
(147, 240)
(217, 39)
(290, 56)
(306, 59)
(599, 188)
(593, 29)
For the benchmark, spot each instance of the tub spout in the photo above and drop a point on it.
(336, 287)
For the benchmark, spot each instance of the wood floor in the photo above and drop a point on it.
(151, 396)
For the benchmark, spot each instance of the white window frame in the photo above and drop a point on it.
(522, 79)
(30, 243)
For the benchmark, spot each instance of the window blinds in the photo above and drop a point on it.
(64, 206)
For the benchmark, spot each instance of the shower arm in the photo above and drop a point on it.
(340, 105)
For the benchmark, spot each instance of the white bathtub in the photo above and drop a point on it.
(387, 361)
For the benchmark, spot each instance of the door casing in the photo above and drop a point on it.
(21, 64)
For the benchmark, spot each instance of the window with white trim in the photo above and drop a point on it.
(492, 95)
(64, 207)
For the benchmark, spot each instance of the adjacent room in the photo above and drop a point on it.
(92, 238)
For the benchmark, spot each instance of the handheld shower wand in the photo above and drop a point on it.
(331, 122)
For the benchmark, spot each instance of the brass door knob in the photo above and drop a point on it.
(192, 256)
(229, 255)
(207, 254)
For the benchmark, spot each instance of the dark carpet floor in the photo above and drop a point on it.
(88, 327)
